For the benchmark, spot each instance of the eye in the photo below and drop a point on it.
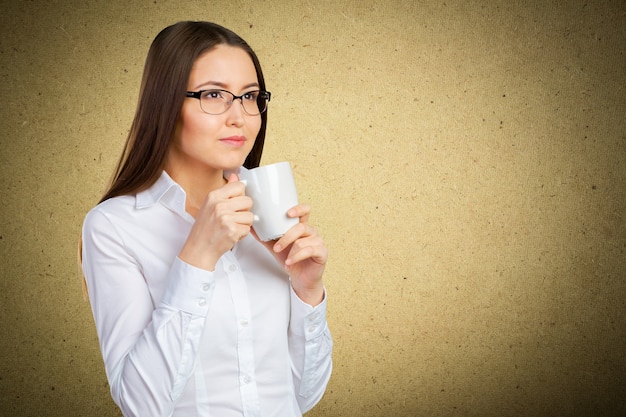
(212, 95)
(251, 96)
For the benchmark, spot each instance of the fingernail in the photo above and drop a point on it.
(277, 248)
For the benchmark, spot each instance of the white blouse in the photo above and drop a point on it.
(182, 341)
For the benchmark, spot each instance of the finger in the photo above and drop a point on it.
(310, 248)
(299, 231)
(236, 223)
(244, 218)
(233, 188)
(240, 203)
(235, 211)
(301, 210)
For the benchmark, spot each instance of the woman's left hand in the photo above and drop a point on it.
(303, 254)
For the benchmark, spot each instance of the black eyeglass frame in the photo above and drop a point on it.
(262, 94)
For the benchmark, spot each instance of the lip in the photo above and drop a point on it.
(235, 141)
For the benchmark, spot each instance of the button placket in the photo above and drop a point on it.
(241, 302)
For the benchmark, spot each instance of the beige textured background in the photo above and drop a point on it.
(466, 161)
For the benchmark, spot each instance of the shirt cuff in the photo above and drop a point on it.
(306, 320)
(189, 288)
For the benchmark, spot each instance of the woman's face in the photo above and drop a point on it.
(207, 142)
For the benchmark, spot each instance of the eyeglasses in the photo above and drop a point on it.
(219, 101)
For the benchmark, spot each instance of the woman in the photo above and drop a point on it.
(196, 316)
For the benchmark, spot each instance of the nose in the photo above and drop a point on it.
(235, 114)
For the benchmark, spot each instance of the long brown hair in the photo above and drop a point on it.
(163, 86)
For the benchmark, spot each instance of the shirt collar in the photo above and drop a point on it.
(166, 191)
(169, 193)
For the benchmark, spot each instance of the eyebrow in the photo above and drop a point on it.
(223, 85)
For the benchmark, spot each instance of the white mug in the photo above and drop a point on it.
(273, 192)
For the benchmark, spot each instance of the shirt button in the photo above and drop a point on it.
(246, 379)
(206, 287)
(243, 323)
(232, 268)
(312, 329)
(202, 302)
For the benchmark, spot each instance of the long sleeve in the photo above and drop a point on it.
(310, 347)
(149, 347)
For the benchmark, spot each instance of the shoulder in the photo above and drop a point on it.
(115, 205)
(103, 214)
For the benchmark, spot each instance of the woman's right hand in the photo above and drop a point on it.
(223, 219)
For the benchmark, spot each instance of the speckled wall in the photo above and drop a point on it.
(466, 162)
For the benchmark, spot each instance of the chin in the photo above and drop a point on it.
(234, 165)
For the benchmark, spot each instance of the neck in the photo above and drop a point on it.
(197, 185)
